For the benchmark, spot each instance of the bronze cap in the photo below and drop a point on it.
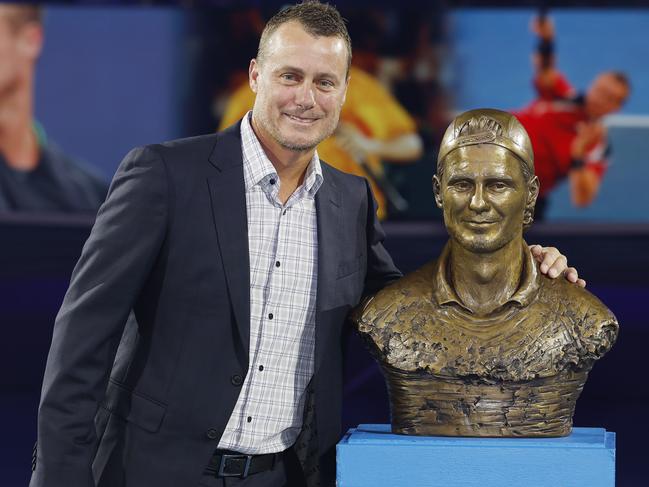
(488, 126)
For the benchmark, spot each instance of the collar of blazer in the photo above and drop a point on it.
(227, 194)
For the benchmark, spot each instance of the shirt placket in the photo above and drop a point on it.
(262, 376)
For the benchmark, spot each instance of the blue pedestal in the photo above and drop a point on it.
(371, 456)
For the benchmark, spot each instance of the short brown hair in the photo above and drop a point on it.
(317, 19)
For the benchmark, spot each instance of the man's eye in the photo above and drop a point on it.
(499, 186)
(327, 84)
(289, 77)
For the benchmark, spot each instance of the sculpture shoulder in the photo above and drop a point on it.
(385, 308)
(595, 326)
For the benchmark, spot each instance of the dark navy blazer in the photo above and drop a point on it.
(143, 401)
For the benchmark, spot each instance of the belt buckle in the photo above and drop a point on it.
(246, 467)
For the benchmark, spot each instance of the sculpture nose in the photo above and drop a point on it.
(478, 202)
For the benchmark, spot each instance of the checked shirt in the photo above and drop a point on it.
(283, 250)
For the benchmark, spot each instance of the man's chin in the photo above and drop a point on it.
(300, 144)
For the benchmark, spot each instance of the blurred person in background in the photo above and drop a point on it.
(374, 127)
(34, 174)
(566, 128)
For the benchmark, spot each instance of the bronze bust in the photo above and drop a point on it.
(479, 342)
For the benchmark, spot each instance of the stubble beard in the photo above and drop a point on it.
(274, 131)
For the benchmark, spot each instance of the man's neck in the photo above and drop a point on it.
(290, 165)
(18, 142)
(486, 281)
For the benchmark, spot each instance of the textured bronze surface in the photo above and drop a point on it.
(479, 342)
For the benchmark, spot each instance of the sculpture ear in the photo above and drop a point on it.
(533, 193)
(437, 190)
(533, 188)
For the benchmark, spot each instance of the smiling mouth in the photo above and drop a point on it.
(301, 120)
(480, 222)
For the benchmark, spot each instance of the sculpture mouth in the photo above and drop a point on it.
(481, 223)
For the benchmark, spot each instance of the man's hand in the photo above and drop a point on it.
(543, 27)
(588, 134)
(554, 264)
(355, 142)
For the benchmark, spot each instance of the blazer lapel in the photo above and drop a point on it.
(328, 202)
(228, 197)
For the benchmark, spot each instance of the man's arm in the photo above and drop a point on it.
(106, 281)
(587, 152)
(381, 271)
(403, 148)
(548, 81)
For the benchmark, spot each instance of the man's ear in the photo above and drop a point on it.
(349, 76)
(437, 191)
(253, 74)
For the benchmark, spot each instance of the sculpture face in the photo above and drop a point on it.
(484, 194)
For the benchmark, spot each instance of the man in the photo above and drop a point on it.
(566, 128)
(34, 174)
(241, 255)
(478, 342)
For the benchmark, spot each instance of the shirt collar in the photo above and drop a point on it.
(257, 168)
(444, 293)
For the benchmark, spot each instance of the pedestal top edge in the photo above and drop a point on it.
(380, 434)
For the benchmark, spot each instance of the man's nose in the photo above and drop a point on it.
(478, 202)
(304, 96)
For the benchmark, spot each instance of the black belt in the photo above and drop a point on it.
(226, 463)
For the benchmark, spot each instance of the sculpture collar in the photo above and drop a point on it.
(444, 293)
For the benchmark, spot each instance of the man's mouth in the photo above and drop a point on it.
(302, 120)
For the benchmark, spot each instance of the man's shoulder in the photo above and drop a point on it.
(194, 150)
(187, 145)
(340, 176)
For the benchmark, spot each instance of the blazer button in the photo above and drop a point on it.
(212, 434)
(236, 380)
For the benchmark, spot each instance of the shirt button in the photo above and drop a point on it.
(249, 419)
(261, 367)
(284, 212)
(270, 316)
(277, 264)
(236, 380)
(212, 434)
(272, 181)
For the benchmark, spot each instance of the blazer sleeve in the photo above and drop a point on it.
(115, 261)
(381, 271)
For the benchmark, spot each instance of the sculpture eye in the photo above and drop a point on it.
(499, 186)
(462, 185)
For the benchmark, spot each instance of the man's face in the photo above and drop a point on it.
(483, 194)
(300, 85)
(605, 95)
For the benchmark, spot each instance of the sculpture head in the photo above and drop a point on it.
(485, 182)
